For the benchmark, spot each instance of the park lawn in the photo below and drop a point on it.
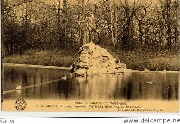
(154, 61)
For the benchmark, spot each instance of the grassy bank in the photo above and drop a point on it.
(134, 60)
(154, 61)
(45, 57)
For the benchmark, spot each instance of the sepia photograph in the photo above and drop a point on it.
(90, 56)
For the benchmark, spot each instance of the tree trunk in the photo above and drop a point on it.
(3, 51)
(115, 26)
(140, 32)
(112, 32)
(168, 22)
(83, 18)
(64, 22)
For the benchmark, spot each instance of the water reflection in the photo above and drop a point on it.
(96, 87)
(46, 83)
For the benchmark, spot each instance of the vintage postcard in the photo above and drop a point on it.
(90, 56)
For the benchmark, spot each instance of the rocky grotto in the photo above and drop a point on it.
(94, 59)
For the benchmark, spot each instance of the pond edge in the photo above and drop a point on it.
(68, 68)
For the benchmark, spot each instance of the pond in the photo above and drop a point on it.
(46, 83)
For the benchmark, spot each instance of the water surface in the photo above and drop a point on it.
(46, 83)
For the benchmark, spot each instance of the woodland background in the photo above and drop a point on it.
(142, 34)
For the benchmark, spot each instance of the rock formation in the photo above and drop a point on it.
(96, 60)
